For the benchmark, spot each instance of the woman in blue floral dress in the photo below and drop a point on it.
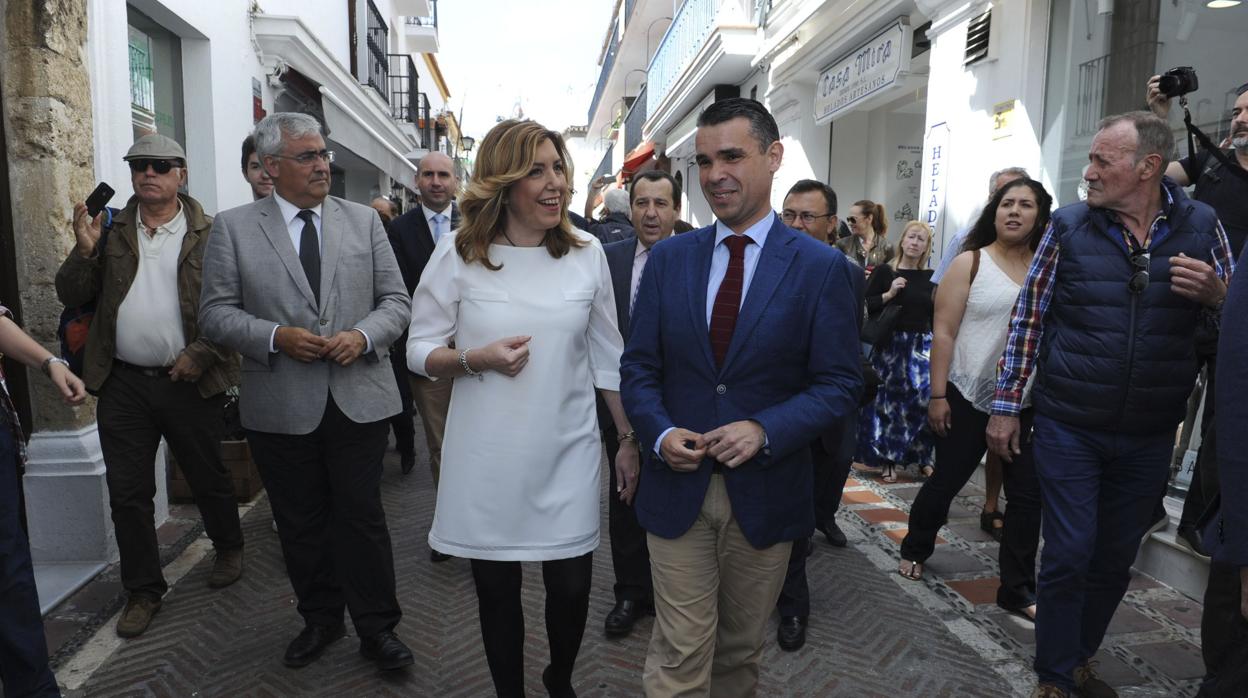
(893, 431)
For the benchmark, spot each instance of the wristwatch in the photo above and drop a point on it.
(46, 367)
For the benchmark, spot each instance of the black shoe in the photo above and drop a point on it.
(621, 619)
(834, 534)
(435, 556)
(556, 691)
(309, 644)
(387, 650)
(1189, 537)
(407, 461)
(791, 634)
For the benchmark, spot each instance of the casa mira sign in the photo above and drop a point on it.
(880, 63)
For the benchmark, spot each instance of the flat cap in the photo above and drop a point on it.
(154, 145)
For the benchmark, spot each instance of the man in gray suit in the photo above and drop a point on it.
(306, 288)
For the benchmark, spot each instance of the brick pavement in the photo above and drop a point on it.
(872, 633)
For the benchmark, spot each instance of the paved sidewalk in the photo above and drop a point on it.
(872, 633)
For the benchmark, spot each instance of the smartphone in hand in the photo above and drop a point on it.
(99, 199)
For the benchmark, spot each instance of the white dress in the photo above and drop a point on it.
(520, 457)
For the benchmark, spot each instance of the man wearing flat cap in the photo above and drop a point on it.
(154, 374)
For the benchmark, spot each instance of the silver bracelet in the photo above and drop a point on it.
(47, 364)
(463, 363)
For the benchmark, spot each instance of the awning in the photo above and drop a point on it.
(351, 131)
(636, 159)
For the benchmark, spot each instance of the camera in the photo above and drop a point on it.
(1177, 82)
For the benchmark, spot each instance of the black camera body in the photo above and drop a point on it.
(1177, 82)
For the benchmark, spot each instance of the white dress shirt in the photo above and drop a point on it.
(437, 228)
(294, 228)
(149, 320)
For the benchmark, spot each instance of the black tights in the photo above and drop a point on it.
(502, 620)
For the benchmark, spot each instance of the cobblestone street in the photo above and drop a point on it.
(871, 634)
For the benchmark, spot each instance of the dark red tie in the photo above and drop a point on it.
(728, 298)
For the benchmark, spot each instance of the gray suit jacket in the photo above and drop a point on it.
(253, 280)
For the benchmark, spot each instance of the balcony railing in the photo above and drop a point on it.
(430, 21)
(684, 39)
(1098, 88)
(604, 167)
(424, 122)
(404, 85)
(608, 64)
(376, 35)
(633, 122)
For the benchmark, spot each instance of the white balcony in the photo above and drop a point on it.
(421, 34)
(709, 42)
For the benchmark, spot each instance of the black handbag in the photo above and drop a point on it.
(879, 327)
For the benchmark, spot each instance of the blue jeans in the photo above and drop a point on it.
(1098, 490)
(23, 650)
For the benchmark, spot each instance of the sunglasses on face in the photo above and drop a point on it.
(161, 166)
(852, 220)
(1139, 279)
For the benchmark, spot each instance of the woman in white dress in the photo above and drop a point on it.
(517, 308)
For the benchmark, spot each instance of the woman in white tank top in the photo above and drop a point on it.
(974, 302)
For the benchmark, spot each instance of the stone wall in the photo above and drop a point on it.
(47, 112)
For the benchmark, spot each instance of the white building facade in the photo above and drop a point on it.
(204, 73)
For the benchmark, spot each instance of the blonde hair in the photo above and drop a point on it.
(927, 254)
(505, 156)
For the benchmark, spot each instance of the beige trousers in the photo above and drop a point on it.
(433, 399)
(713, 594)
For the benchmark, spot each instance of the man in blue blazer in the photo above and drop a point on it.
(743, 349)
(654, 198)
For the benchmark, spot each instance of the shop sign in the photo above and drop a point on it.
(875, 66)
(1003, 120)
(935, 176)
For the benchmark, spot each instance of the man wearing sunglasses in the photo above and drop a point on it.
(306, 287)
(154, 372)
(1105, 319)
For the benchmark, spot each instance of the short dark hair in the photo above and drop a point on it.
(656, 176)
(984, 232)
(249, 147)
(808, 185)
(762, 123)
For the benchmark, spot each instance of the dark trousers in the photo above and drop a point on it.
(630, 557)
(23, 649)
(831, 456)
(401, 423)
(502, 620)
(1098, 489)
(1223, 631)
(958, 454)
(134, 411)
(325, 488)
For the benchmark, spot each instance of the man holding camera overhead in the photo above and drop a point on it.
(1222, 183)
(154, 373)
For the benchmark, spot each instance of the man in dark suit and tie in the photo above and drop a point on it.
(743, 349)
(655, 201)
(305, 286)
(414, 235)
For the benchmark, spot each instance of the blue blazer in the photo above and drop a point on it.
(792, 366)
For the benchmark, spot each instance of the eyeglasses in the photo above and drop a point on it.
(161, 166)
(852, 220)
(806, 216)
(1139, 279)
(309, 157)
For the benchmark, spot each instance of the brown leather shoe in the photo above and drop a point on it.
(1048, 690)
(137, 615)
(227, 568)
(1089, 685)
